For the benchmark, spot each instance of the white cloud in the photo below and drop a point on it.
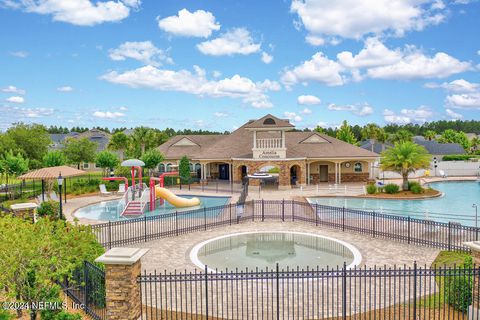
(19, 54)
(15, 99)
(359, 110)
(123, 108)
(454, 115)
(306, 111)
(416, 65)
(373, 54)
(78, 12)
(420, 115)
(292, 116)
(235, 41)
(308, 100)
(108, 114)
(266, 58)
(464, 101)
(65, 89)
(478, 52)
(253, 93)
(18, 114)
(319, 69)
(356, 18)
(190, 24)
(457, 86)
(13, 89)
(220, 114)
(144, 51)
(314, 40)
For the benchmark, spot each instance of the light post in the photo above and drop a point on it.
(476, 214)
(60, 183)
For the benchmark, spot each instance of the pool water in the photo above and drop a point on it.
(107, 210)
(455, 205)
(264, 250)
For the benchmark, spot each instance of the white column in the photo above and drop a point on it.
(254, 139)
(308, 173)
(339, 173)
(283, 139)
(336, 172)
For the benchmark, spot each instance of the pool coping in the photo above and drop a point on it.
(357, 255)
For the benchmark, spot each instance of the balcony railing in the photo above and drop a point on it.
(270, 143)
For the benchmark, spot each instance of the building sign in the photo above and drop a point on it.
(269, 155)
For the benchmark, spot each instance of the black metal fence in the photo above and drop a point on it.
(86, 288)
(339, 293)
(447, 236)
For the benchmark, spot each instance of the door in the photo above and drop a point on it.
(323, 173)
(223, 173)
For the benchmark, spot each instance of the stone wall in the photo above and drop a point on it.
(122, 291)
(346, 177)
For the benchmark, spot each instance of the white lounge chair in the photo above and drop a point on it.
(121, 188)
(53, 196)
(103, 190)
(442, 173)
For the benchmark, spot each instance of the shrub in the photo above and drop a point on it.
(49, 209)
(458, 157)
(371, 189)
(415, 187)
(5, 314)
(392, 188)
(67, 316)
(458, 291)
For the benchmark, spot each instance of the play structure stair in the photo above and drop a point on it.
(133, 208)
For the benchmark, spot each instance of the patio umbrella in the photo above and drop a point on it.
(52, 173)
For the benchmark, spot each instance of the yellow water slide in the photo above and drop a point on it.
(175, 200)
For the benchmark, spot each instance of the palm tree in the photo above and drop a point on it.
(143, 136)
(429, 135)
(119, 142)
(382, 137)
(404, 158)
(370, 132)
(401, 135)
(474, 143)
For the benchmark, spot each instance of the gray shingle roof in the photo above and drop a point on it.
(433, 147)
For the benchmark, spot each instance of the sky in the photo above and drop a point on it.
(216, 64)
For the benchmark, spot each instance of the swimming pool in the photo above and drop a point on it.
(107, 210)
(455, 205)
(266, 249)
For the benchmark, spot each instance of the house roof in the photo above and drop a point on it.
(239, 144)
(267, 122)
(377, 146)
(52, 173)
(433, 147)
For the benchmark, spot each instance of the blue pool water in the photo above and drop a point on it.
(107, 210)
(455, 205)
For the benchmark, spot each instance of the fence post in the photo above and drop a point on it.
(449, 236)
(408, 227)
(176, 222)
(344, 292)
(109, 234)
(373, 227)
(145, 228)
(263, 210)
(293, 210)
(415, 290)
(85, 288)
(283, 209)
(206, 291)
(205, 218)
(343, 219)
(278, 292)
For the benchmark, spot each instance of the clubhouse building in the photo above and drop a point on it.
(269, 144)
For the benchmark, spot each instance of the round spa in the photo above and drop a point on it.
(264, 250)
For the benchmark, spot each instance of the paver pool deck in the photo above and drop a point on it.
(173, 253)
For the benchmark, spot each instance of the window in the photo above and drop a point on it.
(269, 121)
(190, 165)
(86, 165)
(169, 167)
(161, 168)
(357, 167)
(198, 166)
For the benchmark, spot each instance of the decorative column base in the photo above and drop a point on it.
(122, 267)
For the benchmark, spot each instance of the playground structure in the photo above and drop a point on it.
(137, 196)
(159, 191)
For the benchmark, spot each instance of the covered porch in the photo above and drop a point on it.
(338, 170)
